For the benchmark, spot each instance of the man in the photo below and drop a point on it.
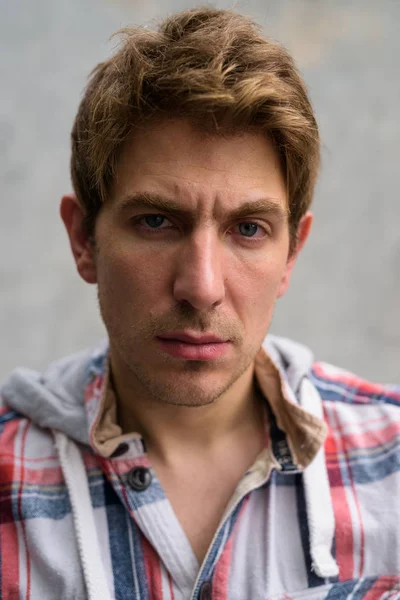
(192, 456)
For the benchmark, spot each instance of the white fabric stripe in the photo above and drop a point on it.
(320, 513)
(22, 581)
(263, 562)
(249, 559)
(132, 549)
(100, 516)
(76, 479)
(381, 521)
(165, 587)
(163, 530)
(54, 566)
(286, 562)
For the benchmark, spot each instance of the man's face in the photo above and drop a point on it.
(199, 271)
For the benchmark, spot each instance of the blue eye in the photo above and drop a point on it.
(248, 229)
(154, 221)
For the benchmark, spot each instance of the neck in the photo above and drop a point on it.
(169, 429)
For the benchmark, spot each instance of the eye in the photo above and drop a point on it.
(154, 221)
(249, 229)
(151, 222)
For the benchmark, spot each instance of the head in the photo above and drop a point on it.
(194, 158)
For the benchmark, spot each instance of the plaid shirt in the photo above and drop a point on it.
(261, 549)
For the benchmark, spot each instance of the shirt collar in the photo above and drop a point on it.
(296, 435)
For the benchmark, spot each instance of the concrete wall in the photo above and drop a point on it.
(345, 297)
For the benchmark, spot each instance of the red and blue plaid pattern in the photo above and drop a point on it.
(261, 549)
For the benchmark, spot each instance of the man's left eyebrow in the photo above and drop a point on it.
(266, 206)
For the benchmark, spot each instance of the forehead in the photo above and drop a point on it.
(176, 159)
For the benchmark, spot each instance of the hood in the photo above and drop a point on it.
(55, 398)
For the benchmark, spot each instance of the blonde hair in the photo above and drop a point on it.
(212, 67)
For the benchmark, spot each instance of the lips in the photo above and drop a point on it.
(188, 347)
(192, 339)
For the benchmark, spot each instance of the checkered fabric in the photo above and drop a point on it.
(262, 549)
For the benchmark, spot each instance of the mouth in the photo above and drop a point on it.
(203, 348)
(192, 337)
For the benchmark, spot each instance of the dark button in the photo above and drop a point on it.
(139, 478)
(119, 450)
(205, 591)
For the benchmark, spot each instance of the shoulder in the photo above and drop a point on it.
(363, 441)
(8, 416)
(17, 432)
(10, 423)
(339, 385)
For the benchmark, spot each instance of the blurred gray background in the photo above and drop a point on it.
(344, 299)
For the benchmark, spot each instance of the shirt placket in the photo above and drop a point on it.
(255, 477)
(136, 484)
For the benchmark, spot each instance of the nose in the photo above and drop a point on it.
(199, 276)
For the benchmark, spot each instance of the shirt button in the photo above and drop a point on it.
(205, 591)
(139, 478)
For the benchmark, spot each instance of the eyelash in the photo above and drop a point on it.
(153, 231)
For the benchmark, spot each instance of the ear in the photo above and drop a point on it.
(84, 254)
(303, 231)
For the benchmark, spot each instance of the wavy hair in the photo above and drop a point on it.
(212, 67)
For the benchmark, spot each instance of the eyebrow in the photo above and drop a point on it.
(143, 200)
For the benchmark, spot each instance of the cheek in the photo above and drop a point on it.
(262, 278)
(256, 289)
(131, 276)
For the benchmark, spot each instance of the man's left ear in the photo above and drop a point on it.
(303, 231)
